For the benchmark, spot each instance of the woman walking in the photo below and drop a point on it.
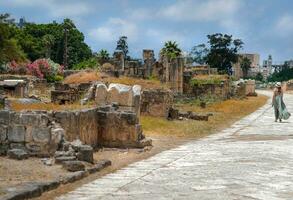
(279, 105)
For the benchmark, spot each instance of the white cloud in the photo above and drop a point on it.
(163, 35)
(54, 8)
(284, 25)
(113, 29)
(209, 10)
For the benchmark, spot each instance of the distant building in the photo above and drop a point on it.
(255, 67)
(21, 22)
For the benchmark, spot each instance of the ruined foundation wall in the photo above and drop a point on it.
(33, 131)
(80, 124)
(156, 102)
(119, 129)
(220, 91)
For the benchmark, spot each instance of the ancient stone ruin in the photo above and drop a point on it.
(113, 123)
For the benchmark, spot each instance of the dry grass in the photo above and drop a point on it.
(82, 77)
(225, 113)
(16, 106)
(85, 77)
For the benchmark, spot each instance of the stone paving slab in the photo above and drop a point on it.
(253, 159)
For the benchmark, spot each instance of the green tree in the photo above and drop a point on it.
(32, 38)
(122, 45)
(171, 49)
(9, 47)
(285, 74)
(245, 65)
(223, 52)
(103, 56)
(48, 41)
(259, 77)
(199, 54)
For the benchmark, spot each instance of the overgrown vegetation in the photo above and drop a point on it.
(91, 63)
(209, 79)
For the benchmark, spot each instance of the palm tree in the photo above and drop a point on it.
(171, 49)
(103, 55)
(245, 66)
(48, 41)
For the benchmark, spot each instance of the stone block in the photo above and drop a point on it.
(122, 94)
(17, 146)
(4, 117)
(72, 177)
(101, 94)
(3, 133)
(62, 159)
(16, 133)
(86, 153)
(41, 135)
(73, 166)
(129, 117)
(18, 154)
(3, 149)
(30, 119)
(34, 149)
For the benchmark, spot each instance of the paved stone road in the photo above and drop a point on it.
(253, 159)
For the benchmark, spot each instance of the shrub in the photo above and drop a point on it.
(91, 63)
(204, 80)
(45, 68)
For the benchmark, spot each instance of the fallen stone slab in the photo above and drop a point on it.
(145, 142)
(63, 153)
(99, 166)
(86, 153)
(75, 176)
(29, 190)
(60, 160)
(73, 166)
(23, 191)
(18, 154)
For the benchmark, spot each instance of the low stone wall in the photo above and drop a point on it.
(250, 87)
(33, 131)
(221, 91)
(41, 133)
(81, 124)
(156, 102)
(119, 128)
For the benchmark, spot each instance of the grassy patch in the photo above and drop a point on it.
(225, 113)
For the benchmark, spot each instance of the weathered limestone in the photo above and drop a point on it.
(126, 97)
(250, 88)
(219, 90)
(173, 73)
(14, 88)
(69, 93)
(18, 154)
(119, 128)
(156, 102)
(31, 131)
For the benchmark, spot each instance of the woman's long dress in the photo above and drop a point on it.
(280, 107)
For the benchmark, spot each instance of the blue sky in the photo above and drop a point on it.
(265, 26)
